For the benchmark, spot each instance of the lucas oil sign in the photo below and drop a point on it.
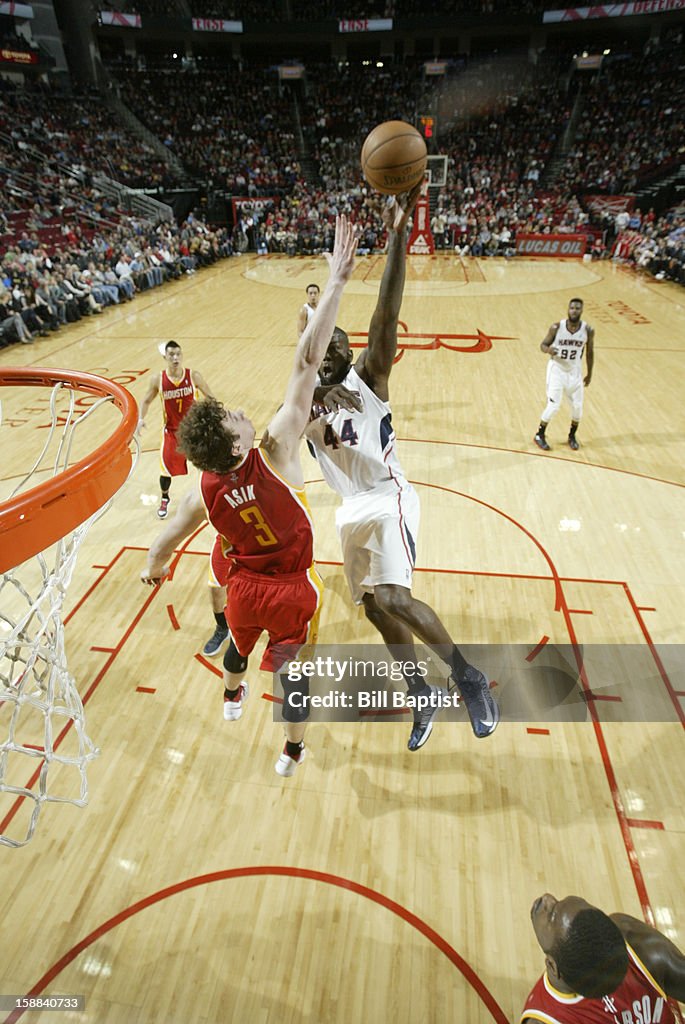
(551, 245)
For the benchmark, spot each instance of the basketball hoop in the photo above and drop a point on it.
(44, 748)
(437, 171)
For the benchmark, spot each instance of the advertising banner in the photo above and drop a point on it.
(216, 25)
(421, 240)
(289, 72)
(255, 208)
(18, 56)
(614, 10)
(17, 10)
(365, 25)
(120, 18)
(551, 245)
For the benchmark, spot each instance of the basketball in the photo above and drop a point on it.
(393, 157)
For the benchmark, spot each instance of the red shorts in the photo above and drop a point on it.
(286, 607)
(173, 463)
(219, 565)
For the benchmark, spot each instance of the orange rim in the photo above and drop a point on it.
(34, 520)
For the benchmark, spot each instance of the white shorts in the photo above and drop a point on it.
(562, 382)
(378, 533)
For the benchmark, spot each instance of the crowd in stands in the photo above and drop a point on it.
(651, 244)
(44, 197)
(11, 39)
(232, 126)
(239, 125)
(43, 288)
(496, 152)
(344, 102)
(68, 252)
(267, 11)
(506, 120)
(319, 9)
(55, 223)
(264, 11)
(633, 124)
(80, 133)
(173, 8)
(322, 10)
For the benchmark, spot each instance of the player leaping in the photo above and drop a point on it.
(254, 498)
(379, 517)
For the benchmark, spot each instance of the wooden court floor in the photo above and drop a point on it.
(376, 885)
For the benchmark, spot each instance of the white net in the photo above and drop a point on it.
(44, 747)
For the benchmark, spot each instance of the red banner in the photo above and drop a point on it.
(216, 25)
(421, 241)
(19, 56)
(365, 25)
(255, 208)
(551, 245)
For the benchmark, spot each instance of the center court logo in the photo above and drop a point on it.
(410, 342)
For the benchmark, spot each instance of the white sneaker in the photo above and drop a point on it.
(286, 764)
(233, 709)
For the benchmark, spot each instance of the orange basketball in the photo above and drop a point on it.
(393, 157)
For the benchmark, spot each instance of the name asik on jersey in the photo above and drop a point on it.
(240, 496)
(643, 1011)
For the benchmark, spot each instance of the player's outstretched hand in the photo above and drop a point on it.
(587, 380)
(399, 208)
(155, 580)
(337, 396)
(341, 260)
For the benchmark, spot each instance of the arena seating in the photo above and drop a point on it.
(239, 131)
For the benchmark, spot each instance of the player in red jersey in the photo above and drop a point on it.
(601, 969)
(177, 387)
(254, 498)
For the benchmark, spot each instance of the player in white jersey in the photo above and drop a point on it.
(378, 520)
(307, 311)
(565, 343)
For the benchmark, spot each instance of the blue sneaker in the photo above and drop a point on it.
(482, 707)
(215, 642)
(423, 719)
